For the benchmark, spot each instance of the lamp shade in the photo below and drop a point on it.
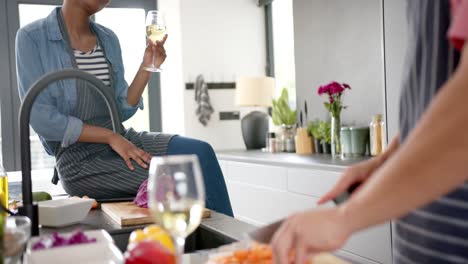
(254, 91)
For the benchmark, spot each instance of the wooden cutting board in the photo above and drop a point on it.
(129, 214)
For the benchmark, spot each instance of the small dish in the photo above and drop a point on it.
(91, 253)
(101, 236)
(63, 212)
(103, 251)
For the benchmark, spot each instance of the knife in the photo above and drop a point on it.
(306, 111)
(265, 234)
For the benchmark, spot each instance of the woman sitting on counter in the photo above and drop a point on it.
(73, 123)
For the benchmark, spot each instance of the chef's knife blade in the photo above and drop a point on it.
(265, 234)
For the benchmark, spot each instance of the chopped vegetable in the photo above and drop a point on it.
(41, 196)
(257, 254)
(141, 198)
(56, 240)
(152, 233)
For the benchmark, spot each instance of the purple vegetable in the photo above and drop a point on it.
(141, 198)
(59, 241)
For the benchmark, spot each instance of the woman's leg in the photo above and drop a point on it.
(217, 197)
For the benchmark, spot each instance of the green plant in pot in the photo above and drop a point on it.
(314, 129)
(324, 129)
(284, 116)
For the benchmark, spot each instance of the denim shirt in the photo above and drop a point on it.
(41, 49)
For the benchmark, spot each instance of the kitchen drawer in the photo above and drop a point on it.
(261, 206)
(373, 243)
(256, 174)
(311, 182)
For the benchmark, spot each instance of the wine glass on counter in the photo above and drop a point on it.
(155, 31)
(176, 195)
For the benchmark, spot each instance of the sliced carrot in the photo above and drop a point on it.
(241, 255)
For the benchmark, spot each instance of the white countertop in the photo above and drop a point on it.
(317, 161)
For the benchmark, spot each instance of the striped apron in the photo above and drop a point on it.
(438, 232)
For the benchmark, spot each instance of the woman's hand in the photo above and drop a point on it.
(308, 233)
(129, 152)
(155, 53)
(358, 173)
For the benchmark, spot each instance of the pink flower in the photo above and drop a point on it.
(323, 89)
(345, 85)
(335, 88)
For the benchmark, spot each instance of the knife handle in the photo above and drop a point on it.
(346, 194)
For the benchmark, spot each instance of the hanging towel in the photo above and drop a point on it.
(204, 108)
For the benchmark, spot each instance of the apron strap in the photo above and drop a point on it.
(55, 178)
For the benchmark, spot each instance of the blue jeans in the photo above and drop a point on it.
(217, 197)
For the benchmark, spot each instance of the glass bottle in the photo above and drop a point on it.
(3, 187)
(287, 139)
(377, 135)
(335, 136)
(271, 142)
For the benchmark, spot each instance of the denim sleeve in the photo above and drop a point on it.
(121, 86)
(45, 119)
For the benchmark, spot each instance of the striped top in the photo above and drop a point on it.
(93, 62)
(438, 232)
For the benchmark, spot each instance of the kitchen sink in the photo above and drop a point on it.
(202, 239)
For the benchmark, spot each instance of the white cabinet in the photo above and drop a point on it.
(261, 194)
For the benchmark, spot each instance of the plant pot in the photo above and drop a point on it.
(318, 146)
(326, 148)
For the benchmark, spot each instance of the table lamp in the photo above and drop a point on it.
(255, 92)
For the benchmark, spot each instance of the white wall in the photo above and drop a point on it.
(221, 39)
(172, 84)
(395, 49)
(340, 40)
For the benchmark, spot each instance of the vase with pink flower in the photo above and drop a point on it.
(334, 92)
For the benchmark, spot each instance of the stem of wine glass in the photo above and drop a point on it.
(180, 248)
(154, 56)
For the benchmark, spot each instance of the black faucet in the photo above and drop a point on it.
(30, 209)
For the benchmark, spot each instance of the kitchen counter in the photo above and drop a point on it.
(226, 229)
(316, 161)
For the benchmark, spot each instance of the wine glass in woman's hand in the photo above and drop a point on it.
(155, 54)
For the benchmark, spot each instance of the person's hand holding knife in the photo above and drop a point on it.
(326, 229)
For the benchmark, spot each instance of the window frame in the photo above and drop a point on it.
(9, 99)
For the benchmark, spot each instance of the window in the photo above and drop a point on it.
(132, 40)
(283, 46)
(19, 13)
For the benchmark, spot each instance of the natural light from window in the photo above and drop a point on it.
(283, 42)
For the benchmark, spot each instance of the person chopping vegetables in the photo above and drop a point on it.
(73, 123)
(421, 180)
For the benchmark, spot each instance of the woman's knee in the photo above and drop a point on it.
(181, 145)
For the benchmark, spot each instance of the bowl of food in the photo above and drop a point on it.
(63, 212)
(95, 246)
(254, 253)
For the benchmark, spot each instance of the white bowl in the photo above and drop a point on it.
(92, 253)
(103, 251)
(101, 236)
(63, 212)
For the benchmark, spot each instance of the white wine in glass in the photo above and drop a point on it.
(176, 195)
(155, 31)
